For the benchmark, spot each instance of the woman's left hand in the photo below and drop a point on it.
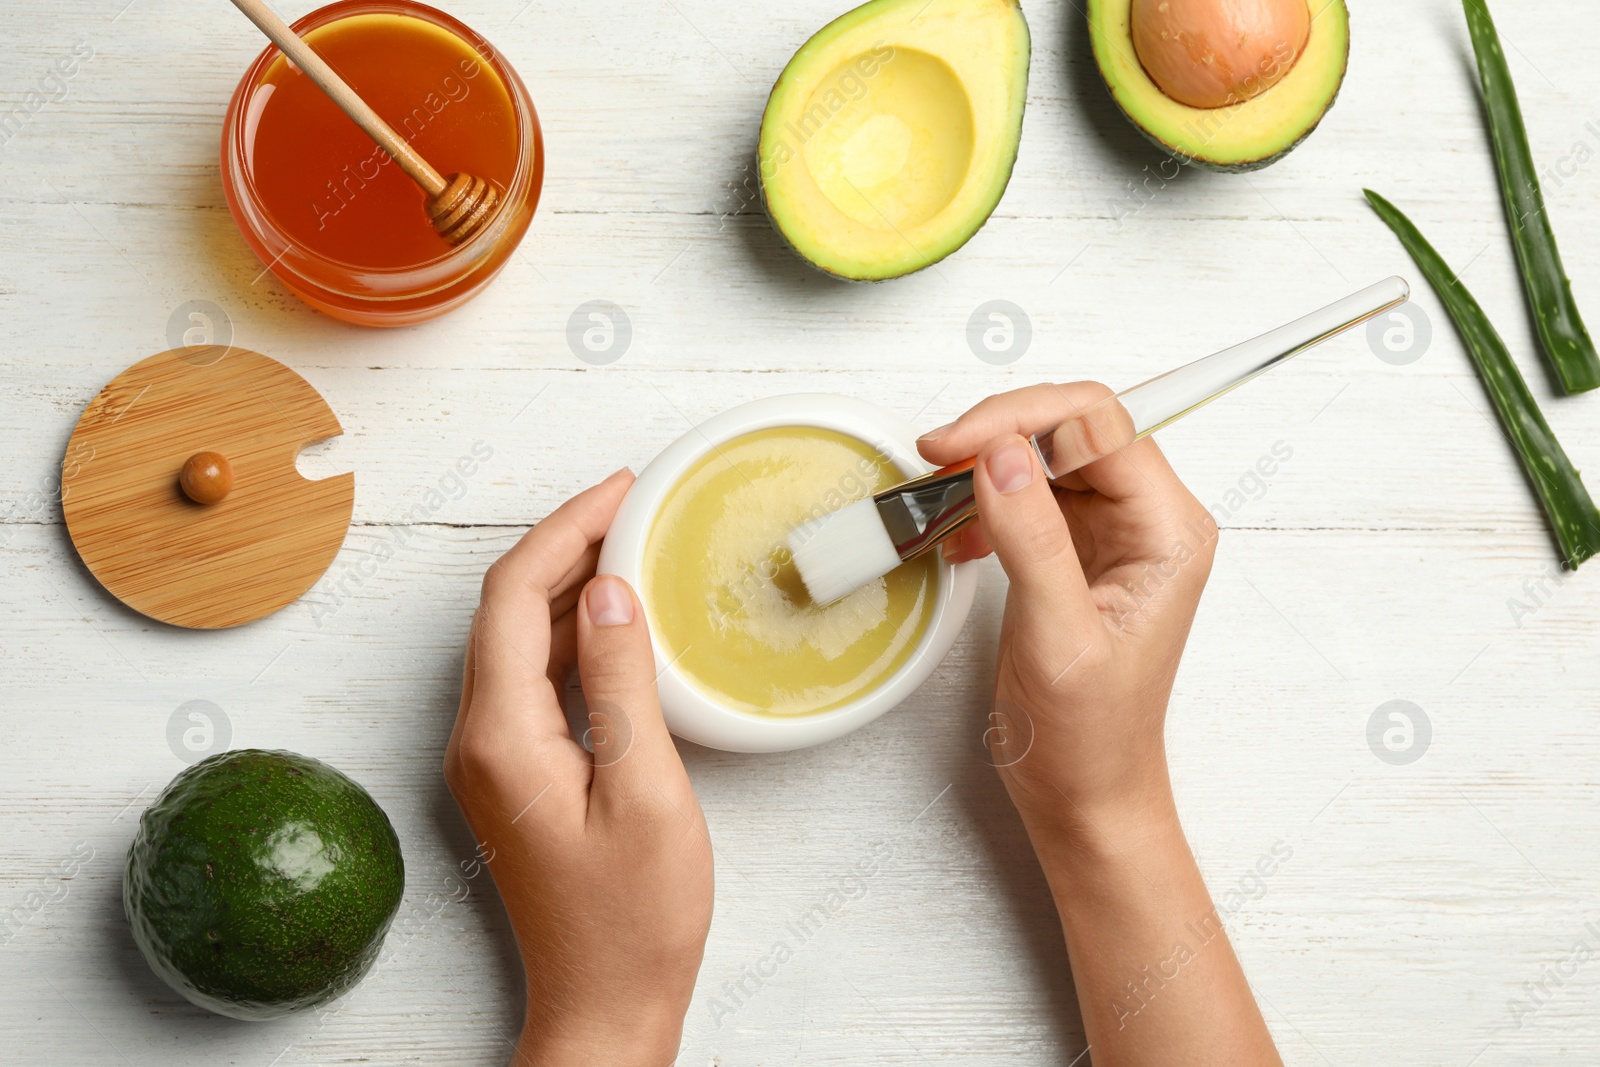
(603, 860)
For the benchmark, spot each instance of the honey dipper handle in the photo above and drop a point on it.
(315, 68)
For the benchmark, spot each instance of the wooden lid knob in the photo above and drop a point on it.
(206, 478)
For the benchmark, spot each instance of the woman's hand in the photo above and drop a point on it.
(603, 861)
(1106, 570)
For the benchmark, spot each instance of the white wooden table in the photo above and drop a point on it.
(1380, 562)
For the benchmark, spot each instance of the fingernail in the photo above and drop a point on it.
(1011, 468)
(934, 435)
(610, 602)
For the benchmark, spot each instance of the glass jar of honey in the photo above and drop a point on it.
(329, 212)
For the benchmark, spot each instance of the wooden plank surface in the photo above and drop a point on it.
(1396, 555)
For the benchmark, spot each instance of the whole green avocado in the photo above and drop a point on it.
(262, 883)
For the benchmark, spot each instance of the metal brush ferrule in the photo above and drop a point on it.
(920, 513)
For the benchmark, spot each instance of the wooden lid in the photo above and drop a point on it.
(206, 566)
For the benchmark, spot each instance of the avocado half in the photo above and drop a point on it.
(1246, 136)
(891, 135)
(260, 883)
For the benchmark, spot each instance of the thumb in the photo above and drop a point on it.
(1024, 523)
(616, 664)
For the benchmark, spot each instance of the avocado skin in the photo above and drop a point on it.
(794, 249)
(1245, 167)
(260, 883)
(1220, 168)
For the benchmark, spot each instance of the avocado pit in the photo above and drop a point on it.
(1216, 53)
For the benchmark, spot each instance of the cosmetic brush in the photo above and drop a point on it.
(842, 551)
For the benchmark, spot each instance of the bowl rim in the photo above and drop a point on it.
(690, 712)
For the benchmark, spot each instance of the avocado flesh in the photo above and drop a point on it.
(262, 883)
(1241, 137)
(889, 138)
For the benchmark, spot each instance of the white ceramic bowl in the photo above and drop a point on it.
(690, 712)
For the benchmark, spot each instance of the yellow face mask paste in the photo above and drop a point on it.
(725, 602)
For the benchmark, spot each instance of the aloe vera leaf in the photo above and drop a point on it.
(1560, 489)
(1565, 339)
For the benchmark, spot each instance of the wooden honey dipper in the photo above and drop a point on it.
(458, 206)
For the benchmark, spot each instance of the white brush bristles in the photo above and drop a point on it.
(839, 553)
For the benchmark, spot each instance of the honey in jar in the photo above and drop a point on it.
(331, 214)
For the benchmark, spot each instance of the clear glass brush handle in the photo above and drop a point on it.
(1118, 421)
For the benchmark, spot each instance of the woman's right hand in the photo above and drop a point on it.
(1107, 566)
